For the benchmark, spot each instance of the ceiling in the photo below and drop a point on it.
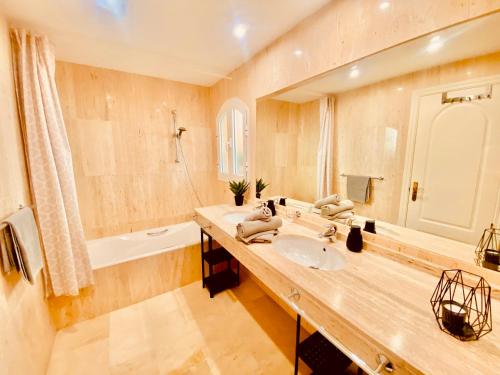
(473, 38)
(184, 40)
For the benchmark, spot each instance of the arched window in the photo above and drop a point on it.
(232, 135)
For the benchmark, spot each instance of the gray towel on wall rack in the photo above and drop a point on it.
(358, 188)
(26, 249)
(7, 250)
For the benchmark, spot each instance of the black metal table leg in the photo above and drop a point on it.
(217, 280)
(297, 342)
(202, 245)
(238, 271)
(210, 247)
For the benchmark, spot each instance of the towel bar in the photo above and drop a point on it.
(381, 178)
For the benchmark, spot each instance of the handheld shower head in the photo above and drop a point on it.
(181, 130)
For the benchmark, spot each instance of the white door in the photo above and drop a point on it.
(455, 178)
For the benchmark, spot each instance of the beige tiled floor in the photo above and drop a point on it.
(241, 331)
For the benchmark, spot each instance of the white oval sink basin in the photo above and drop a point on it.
(309, 252)
(235, 217)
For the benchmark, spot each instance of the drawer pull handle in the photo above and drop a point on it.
(383, 364)
(294, 294)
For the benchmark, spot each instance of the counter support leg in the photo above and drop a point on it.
(297, 342)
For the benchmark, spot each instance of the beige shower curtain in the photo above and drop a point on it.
(324, 169)
(50, 167)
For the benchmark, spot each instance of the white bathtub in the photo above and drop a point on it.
(109, 251)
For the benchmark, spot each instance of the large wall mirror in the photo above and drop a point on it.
(424, 135)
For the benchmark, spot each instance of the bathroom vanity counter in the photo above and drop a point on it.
(374, 305)
(442, 251)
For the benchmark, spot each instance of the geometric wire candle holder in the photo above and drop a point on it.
(462, 305)
(488, 249)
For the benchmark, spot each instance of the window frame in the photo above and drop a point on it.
(228, 109)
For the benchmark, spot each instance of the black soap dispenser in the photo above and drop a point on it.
(355, 239)
(370, 226)
(270, 204)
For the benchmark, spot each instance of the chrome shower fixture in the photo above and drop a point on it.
(179, 132)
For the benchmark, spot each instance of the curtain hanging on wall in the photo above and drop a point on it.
(50, 166)
(324, 173)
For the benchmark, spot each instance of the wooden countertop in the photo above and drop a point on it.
(381, 301)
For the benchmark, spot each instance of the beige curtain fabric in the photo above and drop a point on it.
(50, 166)
(324, 172)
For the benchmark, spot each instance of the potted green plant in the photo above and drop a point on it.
(259, 186)
(238, 188)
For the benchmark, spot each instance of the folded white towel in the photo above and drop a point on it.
(344, 215)
(331, 199)
(331, 209)
(260, 237)
(263, 213)
(249, 228)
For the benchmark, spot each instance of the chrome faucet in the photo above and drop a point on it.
(330, 233)
(260, 204)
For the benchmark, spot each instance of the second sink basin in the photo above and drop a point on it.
(235, 217)
(309, 252)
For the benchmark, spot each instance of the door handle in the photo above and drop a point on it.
(414, 191)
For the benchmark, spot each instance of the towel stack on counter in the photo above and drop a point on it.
(334, 207)
(259, 226)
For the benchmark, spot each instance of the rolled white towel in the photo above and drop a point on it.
(264, 214)
(344, 215)
(261, 237)
(331, 199)
(331, 209)
(248, 228)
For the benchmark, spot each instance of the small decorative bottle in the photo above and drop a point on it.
(270, 204)
(355, 239)
(370, 226)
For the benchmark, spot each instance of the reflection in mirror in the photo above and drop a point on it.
(416, 146)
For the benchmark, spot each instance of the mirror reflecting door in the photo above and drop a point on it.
(414, 147)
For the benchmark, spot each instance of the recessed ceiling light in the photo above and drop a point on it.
(116, 7)
(384, 5)
(354, 72)
(434, 46)
(298, 52)
(240, 30)
(469, 72)
(399, 89)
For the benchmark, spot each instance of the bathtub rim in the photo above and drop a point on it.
(172, 248)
